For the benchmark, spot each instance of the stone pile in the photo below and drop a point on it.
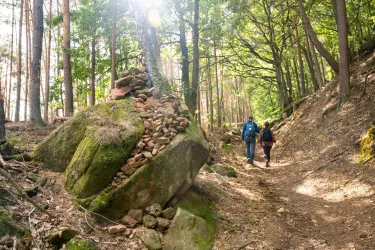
(129, 83)
(163, 119)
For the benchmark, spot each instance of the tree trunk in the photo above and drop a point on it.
(311, 68)
(342, 24)
(289, 82)
(185, 64)
(155, 71)
(300, 62)
(93, 54)
(19, 65)
(195, 76)
(155, 44)
(316, 63)
(211, 104)
(28, 55)
(2, 118)
(11, 66)
(217, 88)
(35, 113)
(66, 61)
(318, 45)
(48, 63)
(113, 52)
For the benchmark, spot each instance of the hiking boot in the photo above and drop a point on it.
(248, 161)
(267, 163)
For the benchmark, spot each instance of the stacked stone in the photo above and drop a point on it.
(154, 217)
(128, 83)
(163, 118)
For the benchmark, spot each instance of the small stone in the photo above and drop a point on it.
(138, 157)
(143, 97)
(63, 235)
(129, 221)
(147, 125)
(130, 160)
(140, 100)
(150, 238)
(123, 82)
(147, 140)
(155, 209)
(128, 232)
(151, 145)
(172, 130)
(157, 146)
(176, 123)
(163, 223)
(149, 221)
(162, 148)
(281, 210)
(124, 74)
(183, 124)
(162, 140)
(141, 145)
(119, 93)
(180, 119)
(144, 161)
(143, 114)
(158, 134)
(154, 152)
(363, 236)
(116, 229)
(148, 155)
(159, 128)
(160, 116)
(136, 214)
(169, 213)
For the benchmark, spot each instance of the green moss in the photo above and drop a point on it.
(367, 146)
(76, 244)
(207, 168)
(9, 227)
(224, 170)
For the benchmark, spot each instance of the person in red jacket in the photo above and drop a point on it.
(266, 141)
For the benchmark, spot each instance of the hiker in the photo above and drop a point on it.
(249, 131)
(266, 141)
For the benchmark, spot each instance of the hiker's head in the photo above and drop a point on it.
(266, 124)
(251, 118)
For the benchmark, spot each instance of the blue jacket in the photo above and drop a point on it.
(246, 127)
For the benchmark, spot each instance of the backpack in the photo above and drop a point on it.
(266, 135)
(250, 130)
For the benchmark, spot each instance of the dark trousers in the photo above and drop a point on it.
(250, 150)
(267, 152)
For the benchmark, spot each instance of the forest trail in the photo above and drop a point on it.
(328, 198)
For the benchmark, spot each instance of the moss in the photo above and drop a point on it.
(158, 180)
(9, 227)
(367, 146)
(224, 170)
(76, 244)
(207, 168)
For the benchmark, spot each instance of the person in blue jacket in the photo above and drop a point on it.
(249, 131)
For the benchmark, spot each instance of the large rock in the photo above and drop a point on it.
(150, 238)
(92, 145)
(193, 226)
(123, 82)
(169, 173)
(224, 170)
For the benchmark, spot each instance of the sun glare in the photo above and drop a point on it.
(154, 18)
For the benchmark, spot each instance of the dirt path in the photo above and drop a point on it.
(320, 212)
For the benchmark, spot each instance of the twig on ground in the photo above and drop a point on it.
(87, 222)
(21, 192)
(99, 215)
(245, 245)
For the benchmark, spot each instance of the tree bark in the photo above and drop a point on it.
(11, 65)
(217, 88)
(66, 60)
(342, 24)
(185, 64)
(35, 112)
(314, 81)
(113, 53)
(318, 45)
(300, 62)
(19, 65)
(155, 44)
(155, 71)
(211, 104)
(195, 76)
(28, 55)
(316, 63)
(48, 63)
(93, 63)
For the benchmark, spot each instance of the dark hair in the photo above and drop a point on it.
(267, 124)
(251, 117)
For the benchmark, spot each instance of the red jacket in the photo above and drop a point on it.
(266, 143)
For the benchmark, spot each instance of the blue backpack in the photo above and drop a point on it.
(250, 130)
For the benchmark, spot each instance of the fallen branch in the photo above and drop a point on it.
(100, 215)
(19, 189)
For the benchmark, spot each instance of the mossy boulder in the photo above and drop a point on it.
(76, 244)
(367, 146)
(224, 170)
(193, 226)
(92, 145)
(172, 171)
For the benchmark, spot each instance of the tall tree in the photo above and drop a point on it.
(217, 87)
(11, 64)
(93, 58)
(113, 48)
(342, 24)
(19, 65)
(28, 54)
(195, 76)
(318, 45)
(35, 112)
(48, 63)
(66, 60)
